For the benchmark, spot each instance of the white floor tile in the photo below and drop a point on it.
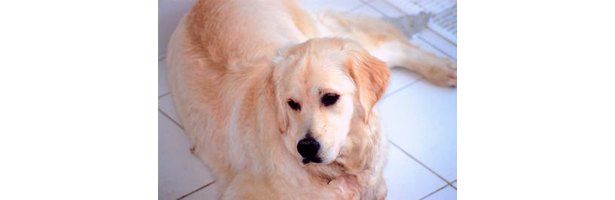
(439, 42)
(169, 14)
(422, 120)
(402, 77)
(448, 193)
(179, 172)
(324, 5)
(399, 78)
(168, 107)
(406, 179)
(207, 193)
(162, 78)
(366, 10)
(409, 7)
(449, 34)
(386, 8)
(427, 47)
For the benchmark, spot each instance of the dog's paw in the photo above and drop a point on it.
(443, 74)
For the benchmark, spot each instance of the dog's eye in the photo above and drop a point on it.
(294, 105)
(329, 99)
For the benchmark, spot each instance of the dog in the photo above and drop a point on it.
(278, 102)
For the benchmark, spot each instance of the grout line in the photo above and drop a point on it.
(165, 94)
(162, 57)
(420, 163)
(435, 47)
(453, 185)
(441, 36)
(386, 3)
(431, 193)
(170, 118)
(200, 188)
(354, 8)
(376, 9)
(396, 8)
(403, 87)
(357, 8)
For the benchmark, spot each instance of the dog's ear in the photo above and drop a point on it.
(274, 84)
(279, 105)
(371, 77)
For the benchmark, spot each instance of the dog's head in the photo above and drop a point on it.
(323, 87)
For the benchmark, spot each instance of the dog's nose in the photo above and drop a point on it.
(308, 147)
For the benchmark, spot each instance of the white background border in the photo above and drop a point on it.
(78, 120)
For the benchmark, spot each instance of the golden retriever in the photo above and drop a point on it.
(278, 102)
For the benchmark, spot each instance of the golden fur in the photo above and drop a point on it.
(234, 64)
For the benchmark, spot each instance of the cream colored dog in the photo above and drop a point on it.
(278, 102)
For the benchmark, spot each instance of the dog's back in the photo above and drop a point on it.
(234, 34)
(219, 59)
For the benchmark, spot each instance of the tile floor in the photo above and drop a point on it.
(419, 119)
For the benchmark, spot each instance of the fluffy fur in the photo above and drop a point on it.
(234, 64)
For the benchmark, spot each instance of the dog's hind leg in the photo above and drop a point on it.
(440, 71)
(387, 43)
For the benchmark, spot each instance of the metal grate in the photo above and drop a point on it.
(445, 23)
(416, 6)
(442, 14)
